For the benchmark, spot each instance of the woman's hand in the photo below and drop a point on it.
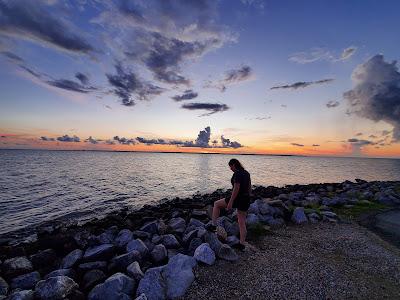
(229, 205)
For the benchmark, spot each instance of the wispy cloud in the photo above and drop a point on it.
(318, 54)
(297, 144)
(212, 108)
(67, 138)
(301, 84)
(332, 103)
(233, 76)
(187, 95)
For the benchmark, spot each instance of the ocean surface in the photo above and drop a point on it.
(38, 186)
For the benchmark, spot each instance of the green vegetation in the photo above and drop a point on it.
(362, 207)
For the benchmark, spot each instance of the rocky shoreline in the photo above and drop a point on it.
(150, 253)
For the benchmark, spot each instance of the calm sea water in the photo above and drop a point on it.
(37, 186)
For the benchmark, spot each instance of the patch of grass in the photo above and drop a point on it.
(362, 207)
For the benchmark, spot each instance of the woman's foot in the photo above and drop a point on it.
(239, 246)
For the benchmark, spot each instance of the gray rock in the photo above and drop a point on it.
(101, 265)
(108, 236)
(299, 217)
(16, 266)
(195, 223)
(59, 287)
(138, 234)
(3, 287)
(156, 239)
(177, 225)
(101, 252)
(159, 254)
(43, 258)
(276, 223)
(71, 259)
(232, 240)
(25, 281)
(170, 241)
(22, 295)
(173, 252)
(314, 216)
(196, 242)
(141, 297)
(264, 208)
(151, 227)
(232, 228)
(139, 246)
(253, 209)
(134, 271)
(121, 262)
(329, 214)
(227, 253)
(149, 245)
(204, 254)
(152, 285)
(84, 239)
(201, 232)
(123, 238)
(162, 227)
(212, 240)
(117, 287)
(188, 237)
(252, 220)
(91, 278)
(62, 272)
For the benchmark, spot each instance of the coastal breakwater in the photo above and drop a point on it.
(151, 253)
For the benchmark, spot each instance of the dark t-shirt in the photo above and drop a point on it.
(242, 177)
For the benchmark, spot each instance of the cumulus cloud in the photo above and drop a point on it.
(297, 145)
(234, 76)
(92, 140)
(129, 87)
(151, 141)
(124, 141)
(376, 92)
(227, 143)
(67, 138)
(84, 79)
(203, 138)
(211, 107)
(29, 20)
(318, 54)
(332, 103)
(187, 95)
(301, 84)
(45, 138)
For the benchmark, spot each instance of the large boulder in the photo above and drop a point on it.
(22, 295)
(91, 278)
(121, 262)
(177, 225)
(71, 259)
(134, 271)
(212, 240)
(59, 287)
(101, 252)
(170, 241)
(252, 220)
(101, 265)
(25, 281)
(16, 266)
(299, 217)
(204, 254)
(151, 227)
(253, 208)
(3, 287)
(108, 236)
(152, 285)
(196, 242)
(62, 272)
(137, 245)
(43, 259)
(159, 254)
(117, 287)
(227, 253)
(123, 238)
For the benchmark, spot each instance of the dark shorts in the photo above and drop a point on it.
(242, 203)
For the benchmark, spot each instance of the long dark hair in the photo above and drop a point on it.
(236, 163)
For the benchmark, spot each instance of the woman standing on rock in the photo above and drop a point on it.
(240, 199)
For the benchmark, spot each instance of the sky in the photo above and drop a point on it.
(224, 76)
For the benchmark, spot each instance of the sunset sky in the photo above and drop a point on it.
(235, 76)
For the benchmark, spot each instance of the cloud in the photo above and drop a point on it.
(124, 141)
(84, 79)
(260, 118)
(372, 136)
(376, 92)
(70, 85)
(360, 142)
(211, 107)
(316, 145)
(67, 138)
(11, 56)
(151, 141)
(234, 76)
(259, 4)
(359, 134)
(284, 105)
(45, 138)
(92, 140)
(227, 143)
(301, 84)
(318, 54)
(187, 95)
(29, 20)
(296, 144)
(332, 103)
(203, 137)
(129, 87)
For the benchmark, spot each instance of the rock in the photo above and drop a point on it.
(101, 265)
(162, 228)
(252, 220)
(299, 217)
(177, 225)
(117, 287)
(276, 223)
(232, 228)
(108, 236)
(134, 271)
(59, 287)
(196, 242)
(221, 233)
(3, 287)
(62, 272)
(141, 297)
(196, 223)
(101, 252)
(227, 253)
(188, 237)
(152, 285)
(286, 196)
(329, 214)
(232, 240)
(71, 259)
(204, 254)
(156, 239)
(22, 295)
(84, 239)
(199, 214)
(123, 238)
(170, 241)
(16, 266)
(212, 240)
(43, 258)
(91, 278)
(151, 227)
(264, 208)
(159, 254)
(121, 262)
(139, 246)
(253, 209)
(25, 281)
(138, 234)
(314, 216)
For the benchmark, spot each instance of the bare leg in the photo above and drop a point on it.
(217, 207)
(241, 215)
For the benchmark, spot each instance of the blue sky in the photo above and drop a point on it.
(226, 55)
